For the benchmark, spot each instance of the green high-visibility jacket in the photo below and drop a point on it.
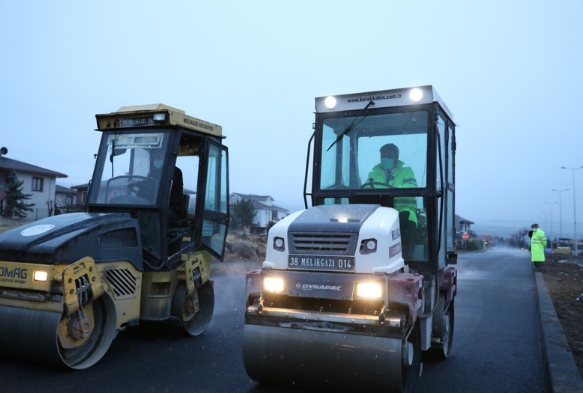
(538, 241)
(400, 177)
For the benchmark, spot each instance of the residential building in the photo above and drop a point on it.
(462, 225)
(65, 199)
(81, 190)
(266, 211)
(39, 182)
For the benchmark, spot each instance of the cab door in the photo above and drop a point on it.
(215, 199)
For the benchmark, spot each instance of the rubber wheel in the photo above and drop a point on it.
(441, 350)
(194, 321)
(410, 374)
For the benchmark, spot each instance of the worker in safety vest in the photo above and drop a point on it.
(538, 242)
(392, 172)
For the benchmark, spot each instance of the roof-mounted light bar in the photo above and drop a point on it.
(382, 99)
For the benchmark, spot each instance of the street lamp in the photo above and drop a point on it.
(551, 232)
(561, 211)
(574, 209)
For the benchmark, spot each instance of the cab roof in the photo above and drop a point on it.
(128, 117)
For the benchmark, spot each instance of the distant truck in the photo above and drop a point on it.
(565, 246)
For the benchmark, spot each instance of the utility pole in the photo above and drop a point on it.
(561, 211)
(574, 209)
(550, 233)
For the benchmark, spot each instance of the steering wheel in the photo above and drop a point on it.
(145, 188)
(370, 184)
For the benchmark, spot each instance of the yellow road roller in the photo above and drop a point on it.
(156, 209)
(357, 286)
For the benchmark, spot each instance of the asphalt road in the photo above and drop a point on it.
(496, 345)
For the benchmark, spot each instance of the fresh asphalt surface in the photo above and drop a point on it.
(496, 348)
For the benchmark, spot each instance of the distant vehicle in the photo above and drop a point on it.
(562, 250)
(566, 246)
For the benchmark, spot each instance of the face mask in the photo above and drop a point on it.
(387, 163)
(158, 164)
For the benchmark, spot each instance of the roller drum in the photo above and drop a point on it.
(322, 359)
(29, 334)
(33, 335)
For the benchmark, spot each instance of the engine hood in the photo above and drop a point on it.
(333, 218)
(333, 237)
(69, 237)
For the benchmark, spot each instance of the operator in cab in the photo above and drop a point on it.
(177, 208)
(392, 173)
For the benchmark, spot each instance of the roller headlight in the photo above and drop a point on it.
(273, 284)
(279, 244)
(369, 290)
(330, 102)
(40, 275)
(415, 94)
(368, 246)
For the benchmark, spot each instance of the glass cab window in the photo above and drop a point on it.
(381, 154)
(131, 169)
(356, 158)
(214, 225)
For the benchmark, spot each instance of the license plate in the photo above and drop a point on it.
(312, 262)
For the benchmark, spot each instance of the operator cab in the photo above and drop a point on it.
(394, 148)
(169, 171)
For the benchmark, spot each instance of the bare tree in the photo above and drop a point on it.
(518, 238)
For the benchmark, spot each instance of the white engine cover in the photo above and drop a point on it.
(363, 223)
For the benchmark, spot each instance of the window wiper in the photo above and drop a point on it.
(112, 154)
(352, 124)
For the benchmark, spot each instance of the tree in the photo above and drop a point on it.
(518, 238)
(243, 214)
(15, 205)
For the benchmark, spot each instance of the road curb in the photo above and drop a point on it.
(562, 374)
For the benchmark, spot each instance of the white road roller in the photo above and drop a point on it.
(354, 288)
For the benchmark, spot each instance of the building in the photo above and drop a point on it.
(462, 226)
(39, 182)
(65, 199)
(266, 211)
(81, 190)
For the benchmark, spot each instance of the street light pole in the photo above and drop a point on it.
(561, 211)
(574, 209)
(551, 232)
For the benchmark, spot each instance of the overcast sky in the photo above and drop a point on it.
(510, 71)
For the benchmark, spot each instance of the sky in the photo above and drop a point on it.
(510, 71)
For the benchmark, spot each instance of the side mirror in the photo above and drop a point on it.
(451, 258)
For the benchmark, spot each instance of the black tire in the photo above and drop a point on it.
(443, 328)
(410, 374)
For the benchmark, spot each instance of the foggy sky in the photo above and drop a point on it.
(510, 71)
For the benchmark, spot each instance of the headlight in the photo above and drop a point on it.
(273, 284)
(369, 290)
(279, 244)
(368, 246)
(159, 116)
(415, 94)
(40, 275)
(330, 102)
